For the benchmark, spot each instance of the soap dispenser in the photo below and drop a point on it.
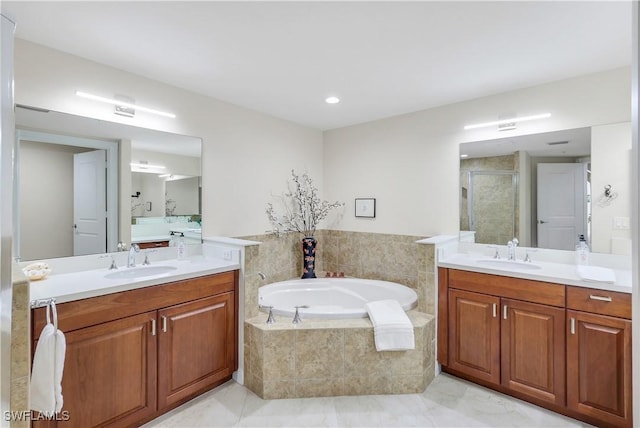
(182, 248)
(582, 251)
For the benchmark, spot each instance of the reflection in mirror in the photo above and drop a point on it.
(502, 198)
(547, 189)
(47, 221)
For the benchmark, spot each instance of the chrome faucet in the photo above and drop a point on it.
(131, 261)
(511, 248)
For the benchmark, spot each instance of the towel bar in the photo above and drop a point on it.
(40, 303)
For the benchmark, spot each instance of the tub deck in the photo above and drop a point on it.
(320, 358)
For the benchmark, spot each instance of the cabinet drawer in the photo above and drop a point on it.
(545, 293)
(96, 310)
(599, 301)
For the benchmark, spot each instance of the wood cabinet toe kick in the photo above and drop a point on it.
(561, 347)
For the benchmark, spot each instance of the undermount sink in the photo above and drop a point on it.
(509, 264)
(139, 272)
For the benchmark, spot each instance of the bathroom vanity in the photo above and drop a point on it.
(135, 354)
(561, 346)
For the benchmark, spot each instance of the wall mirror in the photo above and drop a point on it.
(83, 185)
(547, 189)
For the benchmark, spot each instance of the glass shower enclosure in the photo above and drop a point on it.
(489, 206)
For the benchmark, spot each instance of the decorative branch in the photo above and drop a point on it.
(303, 209)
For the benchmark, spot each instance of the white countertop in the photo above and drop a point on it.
(66, 287)
(559, 273)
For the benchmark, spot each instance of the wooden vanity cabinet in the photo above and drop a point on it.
(599, 355)
(519, 345)
(154, 244)
(561, 347)
(110, 373)
(533, 350)
(474, 335)
(195, 347)
(134, 355)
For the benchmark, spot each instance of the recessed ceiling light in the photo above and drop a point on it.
(464, 156)
(332, 100)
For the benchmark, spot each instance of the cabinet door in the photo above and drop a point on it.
(599, 367)
(474, 334)
(533, 350)
(195, 347)
(109, 373)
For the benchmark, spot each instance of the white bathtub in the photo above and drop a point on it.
(332, 298)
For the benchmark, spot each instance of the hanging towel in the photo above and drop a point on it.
(48, 364)
(392, 327)
(596, 274)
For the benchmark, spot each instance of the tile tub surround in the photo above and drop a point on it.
(395, 258)
(20, 347)
(320, 358)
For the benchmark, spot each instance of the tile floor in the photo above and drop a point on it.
(447, 402)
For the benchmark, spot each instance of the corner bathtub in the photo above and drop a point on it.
(332, 298)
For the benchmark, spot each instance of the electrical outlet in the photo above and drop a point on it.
(226, 255)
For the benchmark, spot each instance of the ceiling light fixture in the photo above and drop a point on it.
(124, 105)
(508, 121)
(332, 100)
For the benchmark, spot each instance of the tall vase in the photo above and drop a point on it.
(308, 257)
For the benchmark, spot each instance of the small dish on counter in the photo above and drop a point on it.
(36, 271)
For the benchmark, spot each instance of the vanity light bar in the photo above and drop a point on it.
(146, 165)
(505, 121)
(124, 104)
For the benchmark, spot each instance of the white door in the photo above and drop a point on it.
(89, 203)
(562, 204)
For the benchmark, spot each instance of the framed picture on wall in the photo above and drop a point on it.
(366, 207)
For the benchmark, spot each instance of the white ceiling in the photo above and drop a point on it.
(381, 58)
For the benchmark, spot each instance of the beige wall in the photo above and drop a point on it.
(611, 165)
(46, 200)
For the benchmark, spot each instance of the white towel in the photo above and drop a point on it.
(392, 327)
(46, 374)
(596, 274)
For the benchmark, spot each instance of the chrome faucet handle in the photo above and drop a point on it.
(527, 257)
(515, 242)
(496, 255)
(146, 261)
(271, 319)
(113, 261)
(296, 316)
